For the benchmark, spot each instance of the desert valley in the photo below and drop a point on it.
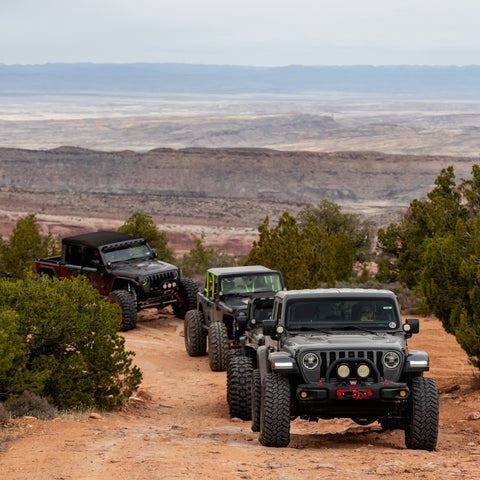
(216, 164)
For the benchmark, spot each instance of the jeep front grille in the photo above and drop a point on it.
(158, 279)
(328, 358)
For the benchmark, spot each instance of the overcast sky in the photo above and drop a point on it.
(241, 32)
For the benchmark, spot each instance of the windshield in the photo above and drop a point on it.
(342, 313)
(252, 283)
(130, 252)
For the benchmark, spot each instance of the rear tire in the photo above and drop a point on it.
(125, 300)
(217, 346)
(256, 399)
(421, 430)
(194, 334)
(239, 375)
(275, 412)
(187, 292)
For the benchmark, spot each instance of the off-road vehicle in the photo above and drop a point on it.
(242, 360)
(342, 353)
(124, 270)
(220, 315)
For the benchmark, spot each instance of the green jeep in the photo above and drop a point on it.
(220, 318)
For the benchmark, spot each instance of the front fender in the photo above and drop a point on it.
(417, 361)
(262, 362)
(282, 363)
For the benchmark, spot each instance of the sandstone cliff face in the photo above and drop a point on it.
(370, 178)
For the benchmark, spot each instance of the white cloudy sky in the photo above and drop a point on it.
(241, 32)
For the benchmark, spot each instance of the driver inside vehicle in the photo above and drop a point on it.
(366, 313)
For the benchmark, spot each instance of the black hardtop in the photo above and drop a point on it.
(98, 239)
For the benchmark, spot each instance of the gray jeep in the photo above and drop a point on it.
(332, 353)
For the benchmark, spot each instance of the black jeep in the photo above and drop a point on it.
(342, 353)
(125, 270)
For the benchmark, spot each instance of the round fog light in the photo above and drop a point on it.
(363, 371)
(343, 370)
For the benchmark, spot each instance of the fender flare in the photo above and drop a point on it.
(262, 362)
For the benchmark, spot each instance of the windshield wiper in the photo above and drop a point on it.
(357, 327)
(306, 329)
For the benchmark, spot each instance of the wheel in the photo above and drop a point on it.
(187, 293)
(127, 304)
(217, 346)
(256, 399)
(421, 430)
(239, 374)
(233, 353)
(275, 412)
(194, 333)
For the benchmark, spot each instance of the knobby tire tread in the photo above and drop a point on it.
(217, 346)
(275, 412)
(195, 335)
(239, 375)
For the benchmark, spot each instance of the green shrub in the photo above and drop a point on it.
(31, 405)
(71, 352)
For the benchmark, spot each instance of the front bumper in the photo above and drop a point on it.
(329, 401)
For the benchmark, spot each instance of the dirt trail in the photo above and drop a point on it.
(177, 427)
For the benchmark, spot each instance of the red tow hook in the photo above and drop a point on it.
(354, 393)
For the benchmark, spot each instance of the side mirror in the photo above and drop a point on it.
(411, 326)
(154, 253)
(269, 327)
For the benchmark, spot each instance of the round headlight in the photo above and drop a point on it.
(363, 371)
(343, 370)
(145, 281)
(310, 361)
(391, 360)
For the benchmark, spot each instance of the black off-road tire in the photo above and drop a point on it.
(217, 346)
(195, 334)
(233, 353)
(126, 301)
(275, 412)
(256, 399)
(421, 429)
(187, 291)
(239, 375)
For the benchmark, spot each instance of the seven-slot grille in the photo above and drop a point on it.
(157, 280)
(327, 358)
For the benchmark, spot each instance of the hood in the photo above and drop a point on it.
(353, 341)
(234, 303)
(237, 303)
(142, 268)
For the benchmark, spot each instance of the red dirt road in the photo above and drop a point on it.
(177, 427)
